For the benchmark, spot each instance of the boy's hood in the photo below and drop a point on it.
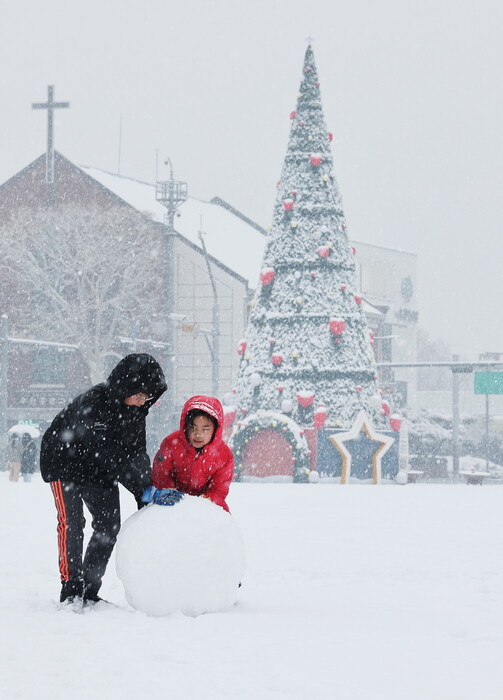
(211, 406)
(136, 373)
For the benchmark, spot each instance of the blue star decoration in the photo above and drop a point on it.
(366, 448)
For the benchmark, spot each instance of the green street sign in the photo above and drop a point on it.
(488, 382)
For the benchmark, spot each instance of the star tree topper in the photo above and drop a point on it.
(383, 444)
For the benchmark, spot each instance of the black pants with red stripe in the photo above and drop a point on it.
(78, 574)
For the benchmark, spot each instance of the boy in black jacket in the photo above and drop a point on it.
(97, 441)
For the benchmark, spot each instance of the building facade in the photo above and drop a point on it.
(388, 280)
(44, 373)
(211, 289)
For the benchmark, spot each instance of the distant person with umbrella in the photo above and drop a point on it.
(28, 457)
(14, 452)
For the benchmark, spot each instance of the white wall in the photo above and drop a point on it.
(381, 273)
(194, 298)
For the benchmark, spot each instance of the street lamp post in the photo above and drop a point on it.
(215, 331)
(456, 449)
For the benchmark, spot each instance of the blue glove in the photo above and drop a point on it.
(167, 497)
(148, 494)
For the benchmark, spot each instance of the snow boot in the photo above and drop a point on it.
(71, 591)
(91, 595)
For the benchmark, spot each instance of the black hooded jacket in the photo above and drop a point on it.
(99, 440)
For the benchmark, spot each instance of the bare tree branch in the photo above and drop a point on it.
(90, 275)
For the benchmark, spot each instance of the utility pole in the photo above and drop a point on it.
(487, 432)
(4, 358)
(215, 331)
(171, 193)
(120, 147)
(455, 418)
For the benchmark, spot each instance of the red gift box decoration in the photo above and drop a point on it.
(395, 422)
(320, 416)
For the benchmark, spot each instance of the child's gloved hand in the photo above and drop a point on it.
(148, 494)
(167, 497)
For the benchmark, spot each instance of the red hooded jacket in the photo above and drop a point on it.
(178, 465)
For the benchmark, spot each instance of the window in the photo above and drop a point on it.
(48, 366)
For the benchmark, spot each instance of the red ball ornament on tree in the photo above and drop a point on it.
(358, 388)
(330, 136)
(277, 358)
(288, 204)
(293, 115)
(337, 326)
(358, 300)
(323, 251)
(242, 347)
(267, 275)
(316, 159)
(385, 408)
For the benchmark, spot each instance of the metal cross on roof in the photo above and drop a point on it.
(50, 106)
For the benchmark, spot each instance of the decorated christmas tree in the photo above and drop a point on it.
(307, 359)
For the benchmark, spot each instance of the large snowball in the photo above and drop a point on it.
(187, 557)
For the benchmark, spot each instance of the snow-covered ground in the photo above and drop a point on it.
(352, 592)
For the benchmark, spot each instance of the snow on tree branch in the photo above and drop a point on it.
(85, 275)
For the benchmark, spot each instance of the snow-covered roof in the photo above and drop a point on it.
(236, 243)
(371, 310)
(228, 238)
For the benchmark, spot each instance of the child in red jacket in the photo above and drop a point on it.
(194, 459)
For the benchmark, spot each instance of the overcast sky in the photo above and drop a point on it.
(412, 91)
